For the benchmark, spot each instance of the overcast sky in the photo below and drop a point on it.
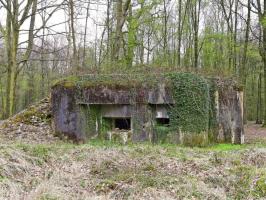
(95, 21)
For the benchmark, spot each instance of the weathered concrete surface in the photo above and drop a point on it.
(68, 118)
(142, 119)
(105, 95)
(231, 116)
(70, 108)
(161, 111)
(116, 111)
(64, 111)
(71, 116)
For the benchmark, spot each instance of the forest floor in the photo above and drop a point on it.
(36, 165)
(254, 133)
(103, 170)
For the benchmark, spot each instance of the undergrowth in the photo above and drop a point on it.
(131, 171)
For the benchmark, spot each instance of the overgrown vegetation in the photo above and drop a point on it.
(190, 114)
(101, 169)
(37, 113)
(127, 80)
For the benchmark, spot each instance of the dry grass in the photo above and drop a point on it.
(110, 171)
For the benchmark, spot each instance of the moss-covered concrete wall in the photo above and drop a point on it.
(77, 108)
(230, 114)
(68, 119)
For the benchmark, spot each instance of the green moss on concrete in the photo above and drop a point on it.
(93, 118)
(107, 125)
(122, 81)
(161, 133)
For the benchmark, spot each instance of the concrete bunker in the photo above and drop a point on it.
(119, 115)
(149, 108)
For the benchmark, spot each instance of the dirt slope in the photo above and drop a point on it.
(32, 125)
(254, 133)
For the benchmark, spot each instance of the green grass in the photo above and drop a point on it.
(136, 149)
(226, 147)
(40, 150)
(145, 146)
(48, 197)
(261, 186)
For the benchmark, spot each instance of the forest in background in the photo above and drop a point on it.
(44, 40)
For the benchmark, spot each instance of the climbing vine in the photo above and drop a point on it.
(213, 124)
(190, 113)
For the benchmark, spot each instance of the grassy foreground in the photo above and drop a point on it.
(103, 170)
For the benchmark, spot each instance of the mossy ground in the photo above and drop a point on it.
(106, 170)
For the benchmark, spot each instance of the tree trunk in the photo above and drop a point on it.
(179, 33)
(118, 34)
(85, 35)
(242, 74)
(235, 37)
(12, 79)
(165, 35)
(42, 56)
(131, 38)
(259, 111)
(196, 15)
(108, 48)
(264, 77)
(264, 62)
(9, 58)
(73, 34)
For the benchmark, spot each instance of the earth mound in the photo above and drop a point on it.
(32, 125)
